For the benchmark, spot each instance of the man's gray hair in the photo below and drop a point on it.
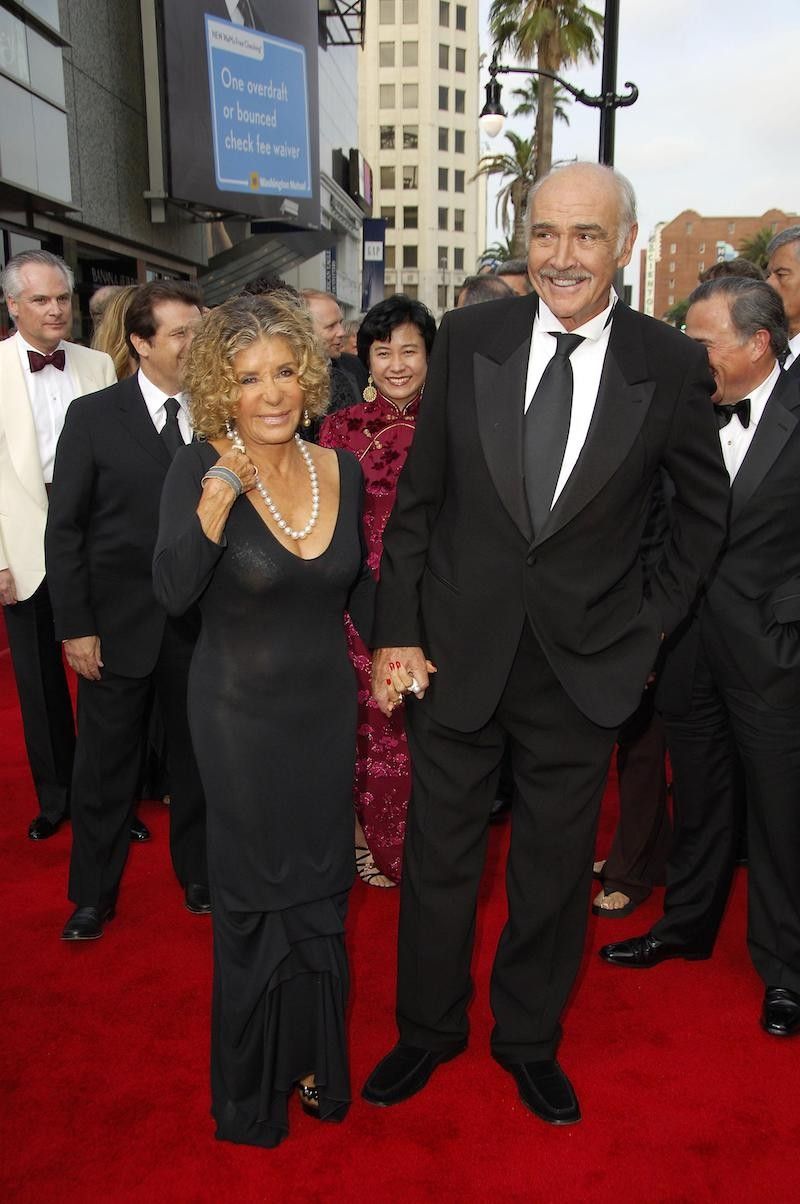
(11, 277)
(753, 306)
(790, 234)
(625, 193)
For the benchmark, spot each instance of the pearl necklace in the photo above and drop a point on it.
(261, 489)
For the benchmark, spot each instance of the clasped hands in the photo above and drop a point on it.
(397, 672)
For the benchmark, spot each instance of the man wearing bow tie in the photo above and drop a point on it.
(113, 455)
(40, 374)
(732, 679)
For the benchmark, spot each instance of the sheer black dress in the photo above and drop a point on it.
(272, 710)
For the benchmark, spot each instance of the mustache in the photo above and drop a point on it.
(552, 274)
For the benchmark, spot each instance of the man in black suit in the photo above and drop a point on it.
(783, 254)
(112, 458)
(511, 560)
(732, 681)
(348, 374)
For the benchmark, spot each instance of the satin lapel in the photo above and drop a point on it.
(499, 400)
(777, 424)
(18, 424)
(135, 416)
(623, 399)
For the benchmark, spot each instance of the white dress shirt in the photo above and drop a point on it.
(49, 392)
(155, 400)
(733, 438)
(794, 351)
(587, 366)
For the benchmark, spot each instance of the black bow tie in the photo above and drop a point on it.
(38, 361)
(740, 408)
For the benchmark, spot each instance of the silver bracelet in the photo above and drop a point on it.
(220, 473)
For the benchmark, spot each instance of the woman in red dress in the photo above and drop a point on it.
(394, 343)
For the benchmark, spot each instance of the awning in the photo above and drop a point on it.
(266, 251)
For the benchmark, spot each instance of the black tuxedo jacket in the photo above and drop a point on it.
(460, 569)
(749, 617)
(102, 524)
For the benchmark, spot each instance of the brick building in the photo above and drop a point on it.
(679, 250)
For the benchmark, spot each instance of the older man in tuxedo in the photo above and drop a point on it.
(783, 254)
(40, 374)
(511, 563)
(731, 683)
(112, 458)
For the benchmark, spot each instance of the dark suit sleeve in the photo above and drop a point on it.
(420, 493)
(699, 504)
(185, 558)
(361, 600)
(68, 519)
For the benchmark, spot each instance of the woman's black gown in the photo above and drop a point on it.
(272, 710)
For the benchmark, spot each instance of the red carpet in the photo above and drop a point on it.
(104, 1061)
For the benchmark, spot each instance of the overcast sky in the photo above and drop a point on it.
(715, 127)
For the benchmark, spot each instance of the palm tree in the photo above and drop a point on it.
(498, 252)
(519, 168)
(755, 248)
(528, 100)
(676, 314)
(555, 33)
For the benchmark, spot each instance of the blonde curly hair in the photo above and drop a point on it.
(209, 378)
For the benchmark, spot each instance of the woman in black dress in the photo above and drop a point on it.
(263, 530)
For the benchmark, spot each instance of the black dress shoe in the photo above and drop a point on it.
(545, 1090)
(42, 829)
(86, 924)
(139, 831)
(404, 1072)
(198, 900)
(642, 952)
(780, 1016)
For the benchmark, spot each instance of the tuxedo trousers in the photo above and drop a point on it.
(113, 715)
(559, 762)
(725, 727)
(44, 701)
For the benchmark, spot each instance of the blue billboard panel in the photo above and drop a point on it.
(258, 89)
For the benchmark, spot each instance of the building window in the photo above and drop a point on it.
(689, 227)
(442, 219)
(387, 177)
(701, 267)
(410, 12)
(410, 137)
(459, 139)
(458, 220)
(672, 265)
(386, 96)
(731, 227)
(441, 296)
(444, 100)
(671, 299)
(386, 54)
(444, 14)
(443, 179)
(701, 248)
(411, 291)
(442, 257)
(461, 16)
(458, 178)
(410, 217)
(461, 59)
(460, 100)
(410, 96)
(410, 257)
(444, 57)
(444, 138)
(410, 54)
(387, 137)
(386, 12)
(673, 246)
(387, 213)
(410, 178)
(672, 284)
(388, 256)
(458, 259)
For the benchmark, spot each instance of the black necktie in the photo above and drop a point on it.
(547, 428)
(171, 432)
(38, 361)
(740, 408)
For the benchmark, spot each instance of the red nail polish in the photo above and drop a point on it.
(388, 681)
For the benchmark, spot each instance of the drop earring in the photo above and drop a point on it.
(369, 392)
(229, 428)
(306, 420)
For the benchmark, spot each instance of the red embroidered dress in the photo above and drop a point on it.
(379, 433)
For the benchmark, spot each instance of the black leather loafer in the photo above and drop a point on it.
(545, 1090)
(198, 900)
(139, 831)
(86, 924)
(42, 829)
(404, 1072)
(780, 1016)
(644, 952)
